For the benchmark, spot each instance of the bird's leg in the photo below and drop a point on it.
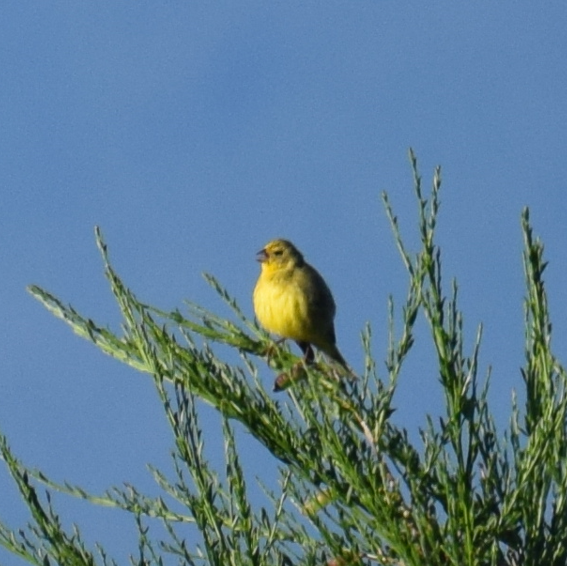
(309, 360)
(308, 352)
(270, 349)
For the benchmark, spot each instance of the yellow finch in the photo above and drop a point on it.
(291, 299)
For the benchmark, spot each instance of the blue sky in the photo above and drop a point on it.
(193, 133)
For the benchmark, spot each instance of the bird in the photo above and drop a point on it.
(292, 300)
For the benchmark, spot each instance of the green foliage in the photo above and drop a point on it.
(353, 488)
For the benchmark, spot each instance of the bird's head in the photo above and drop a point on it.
(279, 254)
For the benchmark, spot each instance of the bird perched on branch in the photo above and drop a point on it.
(291, 299)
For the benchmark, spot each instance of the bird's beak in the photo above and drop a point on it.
(261, 256)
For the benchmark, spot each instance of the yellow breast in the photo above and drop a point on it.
(282, 307)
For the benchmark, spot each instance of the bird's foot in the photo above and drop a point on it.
(271, 349)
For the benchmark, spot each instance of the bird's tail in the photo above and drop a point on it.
(333, 352)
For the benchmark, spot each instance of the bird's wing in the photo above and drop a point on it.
(321, 302)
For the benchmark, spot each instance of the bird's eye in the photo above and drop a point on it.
(278, 252)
